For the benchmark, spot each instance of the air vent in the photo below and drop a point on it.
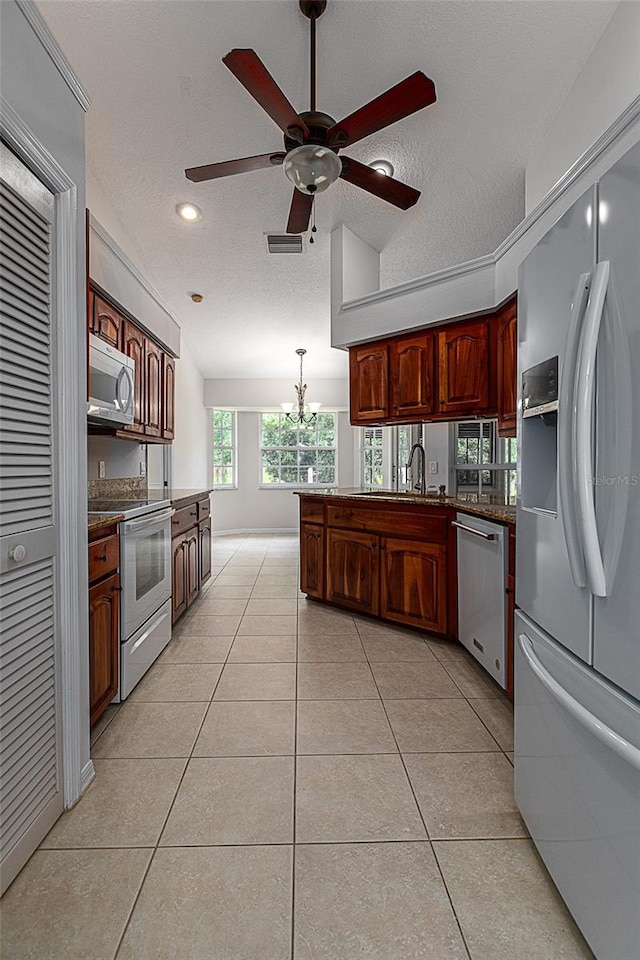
(284, 243)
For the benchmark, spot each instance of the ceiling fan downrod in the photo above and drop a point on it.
(313, 9)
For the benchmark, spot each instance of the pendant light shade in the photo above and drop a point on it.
(312, 168)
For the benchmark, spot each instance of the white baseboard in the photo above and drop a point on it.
(291, 531)
(87, 775)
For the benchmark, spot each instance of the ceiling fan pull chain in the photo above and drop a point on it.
(313, 219)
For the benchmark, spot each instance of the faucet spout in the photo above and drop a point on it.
(421, 484)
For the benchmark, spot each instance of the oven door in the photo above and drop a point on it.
(145, 548)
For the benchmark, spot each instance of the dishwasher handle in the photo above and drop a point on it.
(477, 533)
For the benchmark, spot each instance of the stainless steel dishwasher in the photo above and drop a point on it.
(482, 600)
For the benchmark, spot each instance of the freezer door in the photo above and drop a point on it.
(617, 473)
(548, 284)
(577, 784)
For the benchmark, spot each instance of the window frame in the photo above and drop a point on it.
(297, 485)
(499, 468)
(233, 447)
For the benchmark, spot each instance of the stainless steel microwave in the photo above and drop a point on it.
(111, 384)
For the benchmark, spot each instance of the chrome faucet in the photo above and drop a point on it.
(421, 485)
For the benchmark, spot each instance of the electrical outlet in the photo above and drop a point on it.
(433, 466)
(102, 469)
(143, 468)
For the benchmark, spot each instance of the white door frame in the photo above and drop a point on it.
(70, 454)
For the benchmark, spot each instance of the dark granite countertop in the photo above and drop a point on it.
(97, 520)
(180, 497)
(466, 503)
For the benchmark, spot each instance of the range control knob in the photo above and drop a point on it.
(18, 553)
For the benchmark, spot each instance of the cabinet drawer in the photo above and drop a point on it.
(423, 524)
(104, 557)
(184, 518)
(204, 508)
(311, 509)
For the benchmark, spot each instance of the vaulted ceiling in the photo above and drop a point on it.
(162, 100)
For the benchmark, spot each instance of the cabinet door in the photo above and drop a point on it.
(179, 576)
(369, 383)
(204, 557)
(193, 565)
(153, 388)
(413, 583)
(411, 366)
(107, 322)
(168, 396)
(104, 644)
(352, 569)
(507, 370)
(463, 367)
(133, 345)
(312, 559)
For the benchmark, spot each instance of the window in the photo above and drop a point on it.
(372, 456)
(298, 454)
(484, 462)
(224, 449)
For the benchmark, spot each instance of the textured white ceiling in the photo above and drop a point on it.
(163, 101)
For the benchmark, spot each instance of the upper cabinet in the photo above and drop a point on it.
(368, 382)
(465, 368)
(507, 369)
(412, 376)
(154, 400)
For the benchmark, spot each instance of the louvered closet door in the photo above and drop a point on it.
(30, 774)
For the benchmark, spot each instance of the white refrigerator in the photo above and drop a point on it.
(577, 631)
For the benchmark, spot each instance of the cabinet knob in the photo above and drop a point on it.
(103, 558)
(18, 553)
(116, 589)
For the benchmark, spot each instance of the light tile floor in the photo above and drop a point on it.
(291, 781)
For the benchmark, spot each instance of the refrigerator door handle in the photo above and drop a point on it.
(584, 431)
(612, 740)
(567, 467)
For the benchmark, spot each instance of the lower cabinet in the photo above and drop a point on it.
(191, 548)
(413, 583)
(104, 622)
(312, 559)
(352, 570)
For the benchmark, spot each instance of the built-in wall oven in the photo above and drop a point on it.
(145, 575)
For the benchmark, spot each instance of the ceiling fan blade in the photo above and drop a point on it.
(249, 69)
(412, 94)
(211, 171)
(393, 191)
(300, 212)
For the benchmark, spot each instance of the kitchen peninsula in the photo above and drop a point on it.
(393, 555)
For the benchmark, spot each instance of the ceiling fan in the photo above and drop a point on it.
(312, 139)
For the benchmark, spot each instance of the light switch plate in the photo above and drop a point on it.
(102, 469)
(433, 466)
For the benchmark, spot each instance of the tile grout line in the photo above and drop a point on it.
(415, 799)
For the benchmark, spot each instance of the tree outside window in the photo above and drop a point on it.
(224, 449)
(298, 454)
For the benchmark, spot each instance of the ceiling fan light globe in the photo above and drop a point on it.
(312, 168)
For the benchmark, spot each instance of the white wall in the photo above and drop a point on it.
(250, 508)
(268, 394)
(435, 437)
(122, 458)
(608, 82)
(190, 457)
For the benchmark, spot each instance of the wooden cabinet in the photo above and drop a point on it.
(413, 583)
(133, 345)
(106, 322)
(412, 377)
(463, 367)
(168, 396)
(507, 344)
(104, 620)
(191, 547)
(352, 570)
(154, 399)
(368, 383)
(312, 559)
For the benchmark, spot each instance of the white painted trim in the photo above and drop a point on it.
(43, 32)
(119, 253)
(264, 531)
(71, 516)
(483, 283)
(87, 775)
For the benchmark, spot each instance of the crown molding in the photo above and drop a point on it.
(42, 30)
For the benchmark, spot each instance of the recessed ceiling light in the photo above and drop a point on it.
(383, 166)
(189, 211)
